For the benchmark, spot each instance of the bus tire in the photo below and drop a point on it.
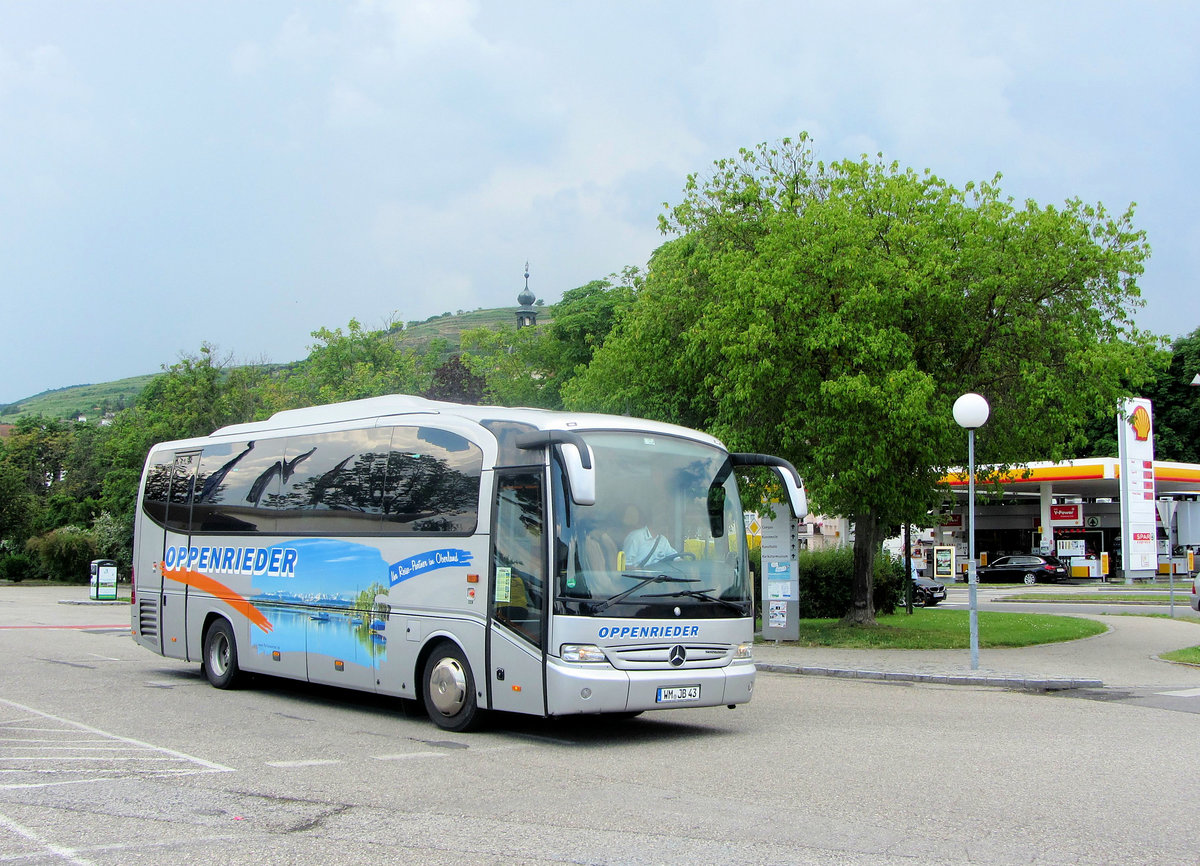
(449, 689)
(219, 660)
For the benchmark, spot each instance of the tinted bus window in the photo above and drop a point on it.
(506, 433)
(233, 484)
(432, 482)
(179, 501)
(333, 482)
(158, 486)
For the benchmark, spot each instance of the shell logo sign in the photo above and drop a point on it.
(1140, 422)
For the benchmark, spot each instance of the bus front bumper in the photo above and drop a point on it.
(600, 688)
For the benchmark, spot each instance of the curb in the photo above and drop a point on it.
(91, 601)
(1029, 684)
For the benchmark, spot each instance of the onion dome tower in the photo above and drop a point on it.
(526, 314)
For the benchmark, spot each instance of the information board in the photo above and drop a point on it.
(781, 582)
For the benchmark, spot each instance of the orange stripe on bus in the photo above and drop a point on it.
(219, 590)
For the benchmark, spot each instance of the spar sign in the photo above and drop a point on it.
(1135, 442)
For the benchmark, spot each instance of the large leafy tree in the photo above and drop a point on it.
(1177, 403)
(530, 366)
(349, 365)
(833, 313)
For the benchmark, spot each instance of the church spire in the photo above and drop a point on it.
(526, 314)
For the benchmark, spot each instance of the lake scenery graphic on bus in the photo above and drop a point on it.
(314, 595)
(328, 604)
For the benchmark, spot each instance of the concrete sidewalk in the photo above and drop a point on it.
(1125, 656)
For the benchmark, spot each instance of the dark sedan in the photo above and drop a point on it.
(1026, 568)
(927, 592)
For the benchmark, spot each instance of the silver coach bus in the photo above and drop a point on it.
(470, 558)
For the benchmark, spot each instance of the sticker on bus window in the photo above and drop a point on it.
(503, 585)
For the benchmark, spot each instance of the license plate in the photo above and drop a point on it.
(678, 693)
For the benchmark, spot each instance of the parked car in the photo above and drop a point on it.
(1027, 568)
(927, 592)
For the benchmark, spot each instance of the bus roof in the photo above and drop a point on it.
(403, 404)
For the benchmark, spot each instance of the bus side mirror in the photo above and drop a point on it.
(787, 473)
(581, 478)
(795, 492)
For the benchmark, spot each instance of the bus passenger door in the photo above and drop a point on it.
(173, 595)
(517, 597)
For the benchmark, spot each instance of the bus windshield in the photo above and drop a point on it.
(664, 539)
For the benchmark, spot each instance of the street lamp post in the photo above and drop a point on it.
(971, 411)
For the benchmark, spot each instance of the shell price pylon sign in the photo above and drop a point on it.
(1135, 439)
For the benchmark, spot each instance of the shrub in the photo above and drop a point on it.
(64, 553)
(17, 567)
(114, 540)
(826, 582)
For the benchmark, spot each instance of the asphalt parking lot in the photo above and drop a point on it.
(114, 755)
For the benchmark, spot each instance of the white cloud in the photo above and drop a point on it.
(302, 164)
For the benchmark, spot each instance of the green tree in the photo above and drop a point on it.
(1176, 409)
(514, 364)
(454, 381)
(19, 507)
(193, 397)
(349, 365)
(38, 447)
(1177, 403)
(531, 366)
(832, 314)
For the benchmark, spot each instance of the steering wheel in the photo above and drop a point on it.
(684, 555)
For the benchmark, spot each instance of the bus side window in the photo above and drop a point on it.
(433, 481)
(158, 487)
(234, 480)
(332, 482)
(179, 505)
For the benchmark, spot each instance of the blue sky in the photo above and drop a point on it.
(245, 173)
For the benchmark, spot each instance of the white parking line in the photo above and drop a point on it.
(1183, 693)
(404, 757)
(312, 763)
(67, 854)
(88, 754)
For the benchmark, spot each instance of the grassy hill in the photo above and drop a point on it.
(87, 400)
(92, 401)
(449, 327)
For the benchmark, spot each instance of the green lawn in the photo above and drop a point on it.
(1190, 656)
(947, 629)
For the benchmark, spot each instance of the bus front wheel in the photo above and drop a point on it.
(219, 661)
(449, 691)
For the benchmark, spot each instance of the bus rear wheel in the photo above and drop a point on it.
(449, 689)
(219, 660)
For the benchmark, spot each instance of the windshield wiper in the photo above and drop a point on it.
(657, 578)
(702, 594)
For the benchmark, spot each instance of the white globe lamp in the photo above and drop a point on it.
(971, 412)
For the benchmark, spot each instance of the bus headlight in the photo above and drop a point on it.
(586, 652)
(743, 652)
